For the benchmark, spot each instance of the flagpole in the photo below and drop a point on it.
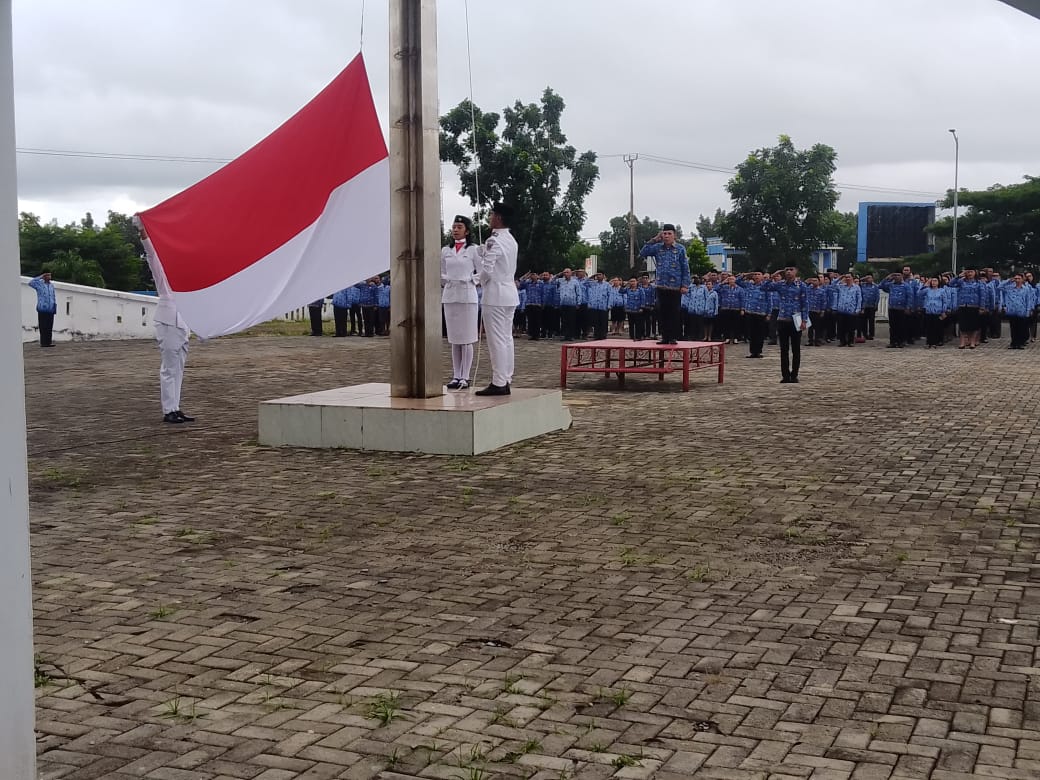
(415, 236)
(17, 742)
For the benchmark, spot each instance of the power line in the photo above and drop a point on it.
(661, 160)
(840, 185)
(118, 156)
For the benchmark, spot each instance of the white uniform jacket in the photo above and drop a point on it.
(498, 269)
(459, 274)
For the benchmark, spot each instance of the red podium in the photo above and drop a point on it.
(624, 356)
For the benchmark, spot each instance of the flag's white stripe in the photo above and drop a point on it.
(346, 244)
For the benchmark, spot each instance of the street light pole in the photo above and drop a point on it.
(956, 171)
(630, 160)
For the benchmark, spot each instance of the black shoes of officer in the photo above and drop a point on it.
(494, 390)
(177, 417)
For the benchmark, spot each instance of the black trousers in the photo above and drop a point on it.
(933, 329)
(635, 325)
(550, 321)
(772, 325)
(790, 348)
(369, 313)
(1033, 319)
(729, 319)
(569, 322)
(316, 323)
(867, 327)
(45, 319)
(356, 323)
(694, 327)
(600, 322)
(339, 316)
(534, 321)
(994, 325)
(710, 333)
(817, 321)
(847, 328)
(1019, 331)
(584, 320)
(384, 321)
(669, 304)
(757, 326)
(896, 327)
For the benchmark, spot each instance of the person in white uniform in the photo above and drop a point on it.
(460, 264)
(172, 334)
(500, 299)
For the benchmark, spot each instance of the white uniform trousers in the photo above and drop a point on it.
(173, 350)
(498, 325)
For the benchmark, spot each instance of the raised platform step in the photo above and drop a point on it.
(365, 417)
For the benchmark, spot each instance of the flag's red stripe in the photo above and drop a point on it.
(257, 202)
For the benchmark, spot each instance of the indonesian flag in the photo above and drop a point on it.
(302, 214)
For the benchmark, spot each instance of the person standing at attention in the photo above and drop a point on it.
(497, 269)
(673, 279)
(46, 307)
(460, 264)
(172, 334)
(791, 321)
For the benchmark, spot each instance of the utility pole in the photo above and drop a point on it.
(956, 187)
(415, 330)
(630, 160)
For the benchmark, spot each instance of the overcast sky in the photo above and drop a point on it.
(702, 81)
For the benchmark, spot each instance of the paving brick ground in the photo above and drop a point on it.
(835, 580)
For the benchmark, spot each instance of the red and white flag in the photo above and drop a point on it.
(302, 214)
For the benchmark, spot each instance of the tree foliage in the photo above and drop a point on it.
(697, 253)
(530, 166)
(1000, 228)
(783, 204)
(83, 253)
(846, 225)
(711, 228)
(613, 258)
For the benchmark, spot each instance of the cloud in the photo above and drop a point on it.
(704, 81)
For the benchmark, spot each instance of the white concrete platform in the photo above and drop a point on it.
(365, 417)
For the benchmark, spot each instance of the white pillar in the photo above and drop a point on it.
(17, 742)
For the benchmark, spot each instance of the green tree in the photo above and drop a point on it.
(999, 228)
(68, 265)
(783, 200)
(697, 252)
(109, 250)
(711, 228)
(846, 226)
(576, 256)
(613, 244)
(530, 166)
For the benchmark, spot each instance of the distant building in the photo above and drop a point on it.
(892, 231)
(826, 258)
(723, 255)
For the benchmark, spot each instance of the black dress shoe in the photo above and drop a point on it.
(453, 384)
(794, 380)
(171, 417)
(182, 417)
(493, 390)
(785, 381)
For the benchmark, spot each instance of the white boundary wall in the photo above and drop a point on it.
(86, 313)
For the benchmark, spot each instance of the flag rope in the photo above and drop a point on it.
(476, 180)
